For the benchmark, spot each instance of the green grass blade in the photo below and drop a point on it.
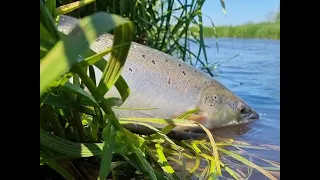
(194, 147)
(79, 91)
(131, 149)
(45, 47)
(161, 121)
(56, 166)
(117, 163)
(159, 157)
(88, 29)
(214, 31)
(61, 103)
(230, 171)
(137, 159)
(98, 97)
(163, 162)
(96, 57)
(118, 56)
(161, 176)
(223, 6)
(72, 6)
(159, 134)
(245, 161)
(144, 124)
(121, 84)
(48, 23)
(92, 75)
(216, 161)
(107, 152)
(51, 6)
(123, 88)
(183, 171)
(75, 118)
(100, 63)
(97, 122)
(185, 115)
(45, 35)
(70, 148)
(94, 128)
(202, 42)
(87, 62)
(48, 113)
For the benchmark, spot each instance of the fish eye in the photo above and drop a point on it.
(242, 109)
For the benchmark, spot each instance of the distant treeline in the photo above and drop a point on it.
(266, 30)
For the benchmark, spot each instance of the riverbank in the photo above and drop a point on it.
(264, 30)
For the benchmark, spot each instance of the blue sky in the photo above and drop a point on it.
(238, 11)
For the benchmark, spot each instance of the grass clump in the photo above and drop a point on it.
(264, 30)
(80, 136)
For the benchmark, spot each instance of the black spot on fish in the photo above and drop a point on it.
(180, 65)
(130, 69)
(206, 98)
(205, 82)
(144, 56)
(184, 72)
(215, 97)
(211, 105)
(195, 71)
(166, 60)
(169, 81)
(153, 62)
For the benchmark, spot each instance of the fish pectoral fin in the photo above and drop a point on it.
(198, 117)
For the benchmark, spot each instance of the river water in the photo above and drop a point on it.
(257, 67)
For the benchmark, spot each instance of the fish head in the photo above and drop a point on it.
(219, 107)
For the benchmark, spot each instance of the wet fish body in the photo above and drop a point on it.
(158, 80)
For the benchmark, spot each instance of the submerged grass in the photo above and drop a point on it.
(75, 124)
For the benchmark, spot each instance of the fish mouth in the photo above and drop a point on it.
(253, 116)
(244, 120)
